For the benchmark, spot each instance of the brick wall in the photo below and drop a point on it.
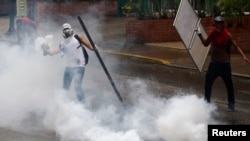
(162, 30)
(146, 31)
(105, 8)
(4, 7)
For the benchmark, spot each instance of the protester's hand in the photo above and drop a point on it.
(198, 31)
(45, 49)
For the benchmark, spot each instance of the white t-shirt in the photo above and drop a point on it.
(73, 52)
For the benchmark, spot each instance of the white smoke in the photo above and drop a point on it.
(31, 86)
(185, 118)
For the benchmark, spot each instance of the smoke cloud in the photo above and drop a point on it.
(31, 92)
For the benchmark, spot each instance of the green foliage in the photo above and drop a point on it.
(151, 9)
(127, 7)
(233, 10)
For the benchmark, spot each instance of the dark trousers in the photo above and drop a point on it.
(224, 71)
(77, 73)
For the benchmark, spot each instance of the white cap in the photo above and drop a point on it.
(219, 19)
(66, 25)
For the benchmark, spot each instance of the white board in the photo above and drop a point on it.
(186, 22)
(197, 50)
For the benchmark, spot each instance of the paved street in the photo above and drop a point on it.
(161, 81)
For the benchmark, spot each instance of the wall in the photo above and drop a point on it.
(146, 31)
(4, 10)
(4, 7)
(162, 30)
(105, 8)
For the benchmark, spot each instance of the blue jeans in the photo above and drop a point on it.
(77, 73)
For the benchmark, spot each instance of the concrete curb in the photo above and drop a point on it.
(160, 61)
(139, 57)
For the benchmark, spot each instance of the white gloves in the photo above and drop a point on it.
(198, 31)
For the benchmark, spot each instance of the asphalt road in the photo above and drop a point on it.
(192, 82)
(163, 81)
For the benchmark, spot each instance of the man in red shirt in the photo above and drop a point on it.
(26, 31)
(221, 41)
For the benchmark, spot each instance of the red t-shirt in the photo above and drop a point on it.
(26, 19)
(219, 42)
(218, 39)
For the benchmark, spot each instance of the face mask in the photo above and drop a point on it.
(67, 32)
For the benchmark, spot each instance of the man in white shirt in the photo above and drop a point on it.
(77, 59)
